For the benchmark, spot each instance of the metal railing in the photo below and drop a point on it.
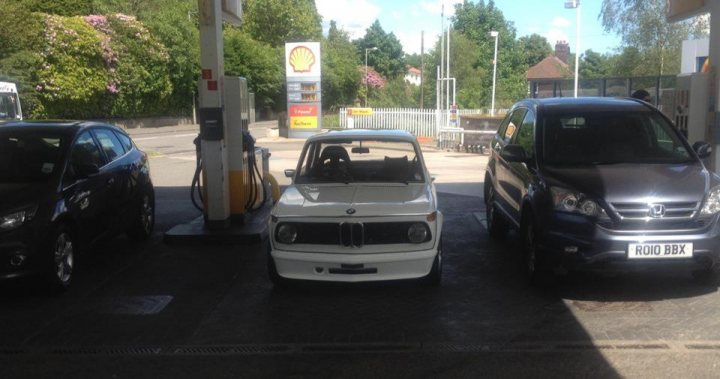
(420, 122)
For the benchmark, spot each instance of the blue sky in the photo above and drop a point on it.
(406, 18)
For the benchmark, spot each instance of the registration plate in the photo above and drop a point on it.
(660, 250)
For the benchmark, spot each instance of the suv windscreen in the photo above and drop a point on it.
(590, 138)
(28, 156)
(354, 161)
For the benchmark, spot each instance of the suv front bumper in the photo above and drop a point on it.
(596, 248)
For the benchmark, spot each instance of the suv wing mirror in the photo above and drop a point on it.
(514, 153)
(703, 149)
(289, 173)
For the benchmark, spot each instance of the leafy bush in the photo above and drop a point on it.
(73, 77)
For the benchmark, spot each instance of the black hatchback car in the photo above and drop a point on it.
(64, 186)
(602, 184)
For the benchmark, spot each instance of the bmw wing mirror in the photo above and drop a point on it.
(289, 173)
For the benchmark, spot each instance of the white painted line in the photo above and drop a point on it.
(145, 138)
(184, 135)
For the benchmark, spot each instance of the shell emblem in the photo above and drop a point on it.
(301, 59)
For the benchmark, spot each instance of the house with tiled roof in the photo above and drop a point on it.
(541, 77)
(412, 75)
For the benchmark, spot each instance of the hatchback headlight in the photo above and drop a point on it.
(712, 202)
(417, 232)
(14, 220)
(574, 202)
(287, 233)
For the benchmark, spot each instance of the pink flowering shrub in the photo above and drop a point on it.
(373, 78)
(101, 66)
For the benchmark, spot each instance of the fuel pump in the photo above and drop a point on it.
(248, 185)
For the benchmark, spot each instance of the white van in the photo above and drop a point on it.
(9, 102)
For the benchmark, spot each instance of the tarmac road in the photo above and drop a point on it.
(155, 310)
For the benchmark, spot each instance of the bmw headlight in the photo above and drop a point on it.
(712, 202)
(570, 201)
(14, 220)
(417, 232)
(287, 233)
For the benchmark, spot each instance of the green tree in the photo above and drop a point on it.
(642, 24)
(594, 65)
(59, 7)
(275, 22)
(19, 44)
(396, 94)
(258, 62)
(475, 21)
(179, 34)
(340, 77)
(388, 58)
(535, 47)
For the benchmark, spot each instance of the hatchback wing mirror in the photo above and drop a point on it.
(703, 149)
(514, 153)
(289, 173)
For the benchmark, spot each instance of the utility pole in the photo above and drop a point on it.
(422, 69)
(442, 53)
(447, 71)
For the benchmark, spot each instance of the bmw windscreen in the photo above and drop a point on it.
(360, 161)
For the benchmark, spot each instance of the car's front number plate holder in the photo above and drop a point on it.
(660, 250)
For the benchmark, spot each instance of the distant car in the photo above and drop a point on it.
(362, 207)
(602, 184)
(63, 186)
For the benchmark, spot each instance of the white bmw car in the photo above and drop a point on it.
(362, 207)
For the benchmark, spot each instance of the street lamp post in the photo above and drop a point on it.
(492, 107)
(367, 94)
(576, 5)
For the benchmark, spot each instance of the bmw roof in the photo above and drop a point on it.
(363, 134)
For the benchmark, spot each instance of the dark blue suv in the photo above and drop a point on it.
(602, 184)
(64, 186)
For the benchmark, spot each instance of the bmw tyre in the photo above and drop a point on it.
(143, 221)
(275, 278)
(497, 226)
(434, 278)
(62, 250)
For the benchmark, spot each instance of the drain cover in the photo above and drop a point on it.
(134, 305)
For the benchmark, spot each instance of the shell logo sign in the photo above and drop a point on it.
(301, 59)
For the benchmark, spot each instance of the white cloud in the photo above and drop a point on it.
(555, 35)
(561, 22)
(353, 16)
(435, 6)
(411, 41)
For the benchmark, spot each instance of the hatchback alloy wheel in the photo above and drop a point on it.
(147, 214)
(64, 254)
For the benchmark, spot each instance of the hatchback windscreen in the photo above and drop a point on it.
(346, 161)
(592, 138)
(28, 156)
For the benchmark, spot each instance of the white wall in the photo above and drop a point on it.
(691, 50)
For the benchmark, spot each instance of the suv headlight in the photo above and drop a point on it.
(712, 202)
(14, 220)
(570, 201)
